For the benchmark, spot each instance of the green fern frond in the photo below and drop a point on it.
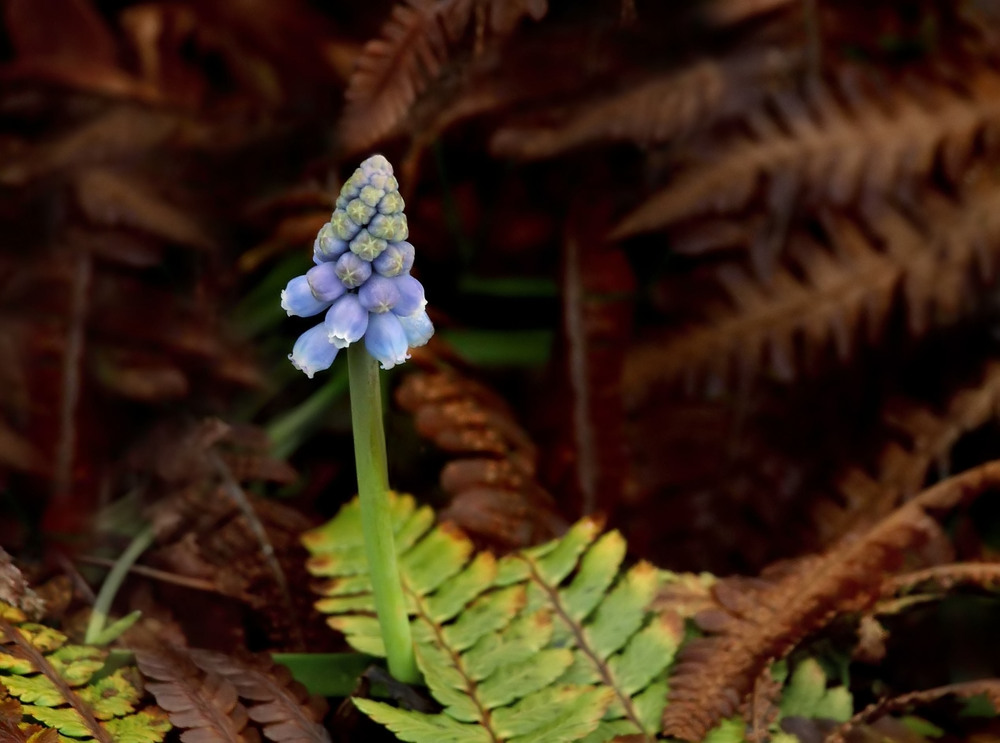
(553, 643)
(806, 694)
(48, 685)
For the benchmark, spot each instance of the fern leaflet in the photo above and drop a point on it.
(553, 643)
(50, 688)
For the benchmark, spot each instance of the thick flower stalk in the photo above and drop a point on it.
(361, 278)
(362, 282)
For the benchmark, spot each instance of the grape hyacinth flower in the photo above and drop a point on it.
(361, 277)
(362, 282)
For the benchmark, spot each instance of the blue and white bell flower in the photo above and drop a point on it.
(346, 322)
(361, 278)
(313, 352)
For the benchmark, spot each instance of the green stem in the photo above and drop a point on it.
(376, 521)
(113, 581)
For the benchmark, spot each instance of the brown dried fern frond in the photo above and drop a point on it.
(836, 145)
(206, 705)
(984, 575)
(413, 48)
(932, 259)
(659, 109)
(825, 301)
(209, 528)
(15, 591)
(117, 168)
(275, 701)
(492, 481)
(761, 620)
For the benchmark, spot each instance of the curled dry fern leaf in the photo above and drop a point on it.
(395, 68)
(47, 683)
(552, 643)
(492, 480)
(761, 620)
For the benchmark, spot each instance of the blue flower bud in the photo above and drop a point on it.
(397, 258)
(327, 246)
(390, 227)
(297, 299)
(384, 182)
(371, 195)
(378, 294)
(352, 186)
(325, 283)
(352, 270)
(346, 321)
(343, 226)
(359, 212)
(366, 246)
(385, 339)
(411, 295)
(312, 351)
(391, 203)
(418, 328)
(374, 165)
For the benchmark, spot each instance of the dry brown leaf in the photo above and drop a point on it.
(394, 69)
(113, 198)
(205, 705)
(817, 150)
(494, 491)
(760, 621)
(279, 704)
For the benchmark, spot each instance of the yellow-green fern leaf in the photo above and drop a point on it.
(554, 643)
(806, 695)
(60, 691)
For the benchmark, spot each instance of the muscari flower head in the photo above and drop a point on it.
(361, 278)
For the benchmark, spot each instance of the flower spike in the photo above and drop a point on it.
(362, 272)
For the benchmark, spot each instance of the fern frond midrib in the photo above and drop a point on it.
(584, 646)
(177, 677)
(46, 669)
(471, 689)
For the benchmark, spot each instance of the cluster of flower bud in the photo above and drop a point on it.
(361, 278)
